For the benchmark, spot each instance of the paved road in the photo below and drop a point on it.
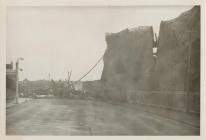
(86, 117)
(10, 103)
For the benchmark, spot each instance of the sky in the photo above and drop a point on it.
(55, 40)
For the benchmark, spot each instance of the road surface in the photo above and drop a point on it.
(87, 117)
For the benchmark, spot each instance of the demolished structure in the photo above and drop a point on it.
(128, 61)
(171, 79)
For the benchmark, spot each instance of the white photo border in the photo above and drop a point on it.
(16, 3)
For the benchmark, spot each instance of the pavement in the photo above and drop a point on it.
(88, 117)
(10, 103)
(190, 117)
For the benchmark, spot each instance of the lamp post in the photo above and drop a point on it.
(17, 78)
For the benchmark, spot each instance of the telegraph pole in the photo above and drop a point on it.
(17, 79)
(69, 76)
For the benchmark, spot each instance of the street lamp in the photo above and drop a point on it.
(17, 77)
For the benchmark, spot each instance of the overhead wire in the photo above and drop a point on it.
(91, 68)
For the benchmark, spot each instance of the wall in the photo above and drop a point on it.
(172, 79)
(10, 82)
(128, 61)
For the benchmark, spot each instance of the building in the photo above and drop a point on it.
(10, 82)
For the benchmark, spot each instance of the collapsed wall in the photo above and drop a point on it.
(175, 38)
(128, 61)
(132, 73)
(177, 69)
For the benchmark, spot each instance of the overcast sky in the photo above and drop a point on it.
(54, 40)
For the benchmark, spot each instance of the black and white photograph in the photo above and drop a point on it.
(103, 70)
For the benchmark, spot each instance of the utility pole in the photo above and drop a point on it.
(69, 76)
(17, 79)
